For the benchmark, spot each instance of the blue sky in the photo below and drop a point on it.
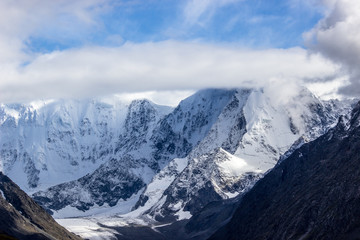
(250, 23)
(87, 48)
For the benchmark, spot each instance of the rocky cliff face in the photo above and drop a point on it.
(110, 183)
(22, 218)
(208, 178)
(312, 194)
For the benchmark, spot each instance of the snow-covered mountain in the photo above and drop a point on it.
(312, 194)
(151, 162)
(174, 136)
(248, 137)
(46, 143)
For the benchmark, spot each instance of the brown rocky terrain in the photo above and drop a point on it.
(22, 218)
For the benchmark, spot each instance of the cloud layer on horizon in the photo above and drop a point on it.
(158, 66)
(168, 65)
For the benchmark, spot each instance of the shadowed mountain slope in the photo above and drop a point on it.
(22, 218)
(313, 194)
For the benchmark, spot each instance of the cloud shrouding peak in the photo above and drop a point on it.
(337, 37)
(166, 65)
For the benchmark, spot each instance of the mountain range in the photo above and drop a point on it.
(137, 160)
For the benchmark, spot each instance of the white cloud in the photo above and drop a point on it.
(158, 66)
(21, 19)
(328, 90)
(337, 37)
(167, 98)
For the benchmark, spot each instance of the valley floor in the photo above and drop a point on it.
(113, 228)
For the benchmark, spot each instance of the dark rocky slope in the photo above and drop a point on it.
(22, 218)
(313, 194)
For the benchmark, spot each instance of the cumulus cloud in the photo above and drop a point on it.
(168, 65)
(337, 37)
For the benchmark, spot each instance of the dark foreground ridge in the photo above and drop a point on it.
(313, 194)
(22, 218)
